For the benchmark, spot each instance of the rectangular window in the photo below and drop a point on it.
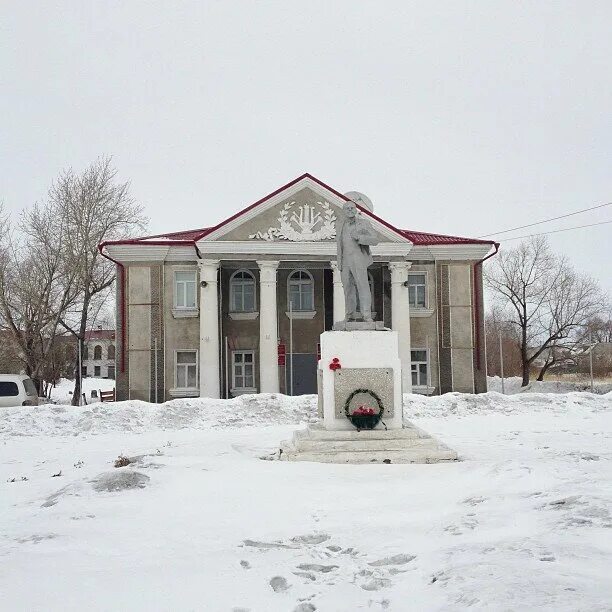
(96, 370)
(185, 289)
(30, 387)
(8, 389)
(243, 370)
(186, 369)
(83, 370)
(417, 294)
(111, 372)
(419, 364)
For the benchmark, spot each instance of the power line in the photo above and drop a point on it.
(566, 229)
(547, 220)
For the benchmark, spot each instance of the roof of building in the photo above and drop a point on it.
(100, 334)
(191, 236)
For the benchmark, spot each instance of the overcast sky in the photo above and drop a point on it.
(454, 117)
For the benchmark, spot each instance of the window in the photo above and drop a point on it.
(242, 291)
(185, 289)
(8, 389)
(30, 387)
(301, 290)
(243, 370)
(111, 372)
(417, 295)
(111, 352)
(419, 364)
(83, 370)
(85, 352)
(97, 371)
(97, 352)
(186, 369)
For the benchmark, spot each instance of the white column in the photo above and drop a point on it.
(339, 305)
(268, 340)
(400, 317)
(209, 329)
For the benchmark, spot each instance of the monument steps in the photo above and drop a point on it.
(361, 444)
(406, 445)
(316, 432)
(417, 455)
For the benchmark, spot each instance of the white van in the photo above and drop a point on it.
(17, 390)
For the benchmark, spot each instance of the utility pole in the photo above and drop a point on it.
(501, 363)
(591, 358)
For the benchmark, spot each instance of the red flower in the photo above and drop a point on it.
(364, 411)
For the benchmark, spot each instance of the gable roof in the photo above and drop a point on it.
(189, 237)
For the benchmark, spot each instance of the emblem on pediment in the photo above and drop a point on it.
(306, 222)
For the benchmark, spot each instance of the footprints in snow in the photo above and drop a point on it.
(349, 565)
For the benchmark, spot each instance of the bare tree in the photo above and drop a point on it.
(543, 298)
(36, 285)
(96, 207)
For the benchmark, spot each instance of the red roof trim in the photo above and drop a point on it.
(190, 237)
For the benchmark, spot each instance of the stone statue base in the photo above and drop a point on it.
(360, 326)
(367, 359)
(353, 363)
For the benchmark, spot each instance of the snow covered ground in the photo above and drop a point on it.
(198, 521)
(62, 392)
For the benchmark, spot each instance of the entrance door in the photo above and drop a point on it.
(304, 374)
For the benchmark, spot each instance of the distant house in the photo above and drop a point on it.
(99, 356)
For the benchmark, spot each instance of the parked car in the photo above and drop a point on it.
(18, 390)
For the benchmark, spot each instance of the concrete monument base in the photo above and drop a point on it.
(362, 368)
(407, 445)
(365, 360)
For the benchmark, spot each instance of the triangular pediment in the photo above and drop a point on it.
(304, 211)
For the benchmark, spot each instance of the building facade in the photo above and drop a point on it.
(98, 359)
(239, 307)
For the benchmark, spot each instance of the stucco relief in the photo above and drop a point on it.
(305, 222)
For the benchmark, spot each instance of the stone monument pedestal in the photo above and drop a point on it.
(368, 360)
(362, 368)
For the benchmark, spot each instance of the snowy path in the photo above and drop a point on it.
(522, 523)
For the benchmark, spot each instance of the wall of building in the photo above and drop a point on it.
(461, 327)
(424, 329)
(179, 333)
(450, 332)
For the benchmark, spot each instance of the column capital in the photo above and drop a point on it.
(267, 263)
(208, 269)
(399, 270)
(267, 270)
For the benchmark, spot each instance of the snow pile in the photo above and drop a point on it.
(464, 404)
(512, 385)
(266, 409)
(136, 416)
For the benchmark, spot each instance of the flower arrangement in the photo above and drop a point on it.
(364, 411)
(364, 416)
(335, 364)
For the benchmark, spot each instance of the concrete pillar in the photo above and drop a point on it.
(400, 317)
(339, 305)
(209, 329)
(268, 335)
